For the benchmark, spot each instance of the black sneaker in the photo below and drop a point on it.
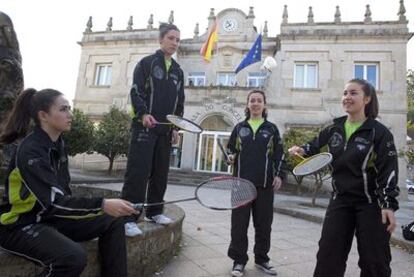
(266, 267)
(238, 270)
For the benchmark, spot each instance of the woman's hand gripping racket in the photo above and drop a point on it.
(220, 193)
(180, 122)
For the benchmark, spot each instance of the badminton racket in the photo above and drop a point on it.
(219, 193)
(312, 164)
(182, 123)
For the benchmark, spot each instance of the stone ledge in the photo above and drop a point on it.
(146, 254)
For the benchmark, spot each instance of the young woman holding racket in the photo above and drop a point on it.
(255, 149)
(364, 180)
(40, 220)
(157, 91)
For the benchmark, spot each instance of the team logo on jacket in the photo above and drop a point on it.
(390, 143)
(244, 132)
(392, 153)
(362, 140)
(158, 72)
(265, 133)
(336, 140)
(33, 161)
(361, 147)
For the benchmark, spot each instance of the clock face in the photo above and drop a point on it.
(229, 24)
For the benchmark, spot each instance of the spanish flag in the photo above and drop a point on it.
(207, 49)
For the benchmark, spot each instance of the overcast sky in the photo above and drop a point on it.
(48, 30)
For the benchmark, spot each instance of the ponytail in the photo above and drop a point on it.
(16, 125)
(27, 106)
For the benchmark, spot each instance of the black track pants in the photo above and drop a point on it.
(148, 163)
(54, 245)
(262, 212)
(344, 219)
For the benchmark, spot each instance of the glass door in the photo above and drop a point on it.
(209, 156)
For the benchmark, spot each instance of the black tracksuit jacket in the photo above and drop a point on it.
(259, 156)
(155, 91)
(38, 184)
(365, 168)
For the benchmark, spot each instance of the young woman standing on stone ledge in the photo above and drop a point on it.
(364, 180)
(41, 221)
(255, 148)
(157, 90)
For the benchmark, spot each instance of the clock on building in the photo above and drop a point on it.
(229, 24)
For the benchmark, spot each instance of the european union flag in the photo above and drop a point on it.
(254, 55)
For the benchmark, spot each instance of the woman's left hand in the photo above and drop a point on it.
(388, 218)
(175, 138)
(277, 183)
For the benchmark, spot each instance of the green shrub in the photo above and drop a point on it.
(297, 136)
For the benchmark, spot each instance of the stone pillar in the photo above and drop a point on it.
(285, 15)
(211, 19)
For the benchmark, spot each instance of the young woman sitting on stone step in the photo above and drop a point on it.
(41, 221)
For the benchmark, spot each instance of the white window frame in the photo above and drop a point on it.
(102, 78)
(365, 73)
(195, 77)
(260, 76)
(305, 75)
(227, 75)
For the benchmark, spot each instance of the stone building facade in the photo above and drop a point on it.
(314, 62)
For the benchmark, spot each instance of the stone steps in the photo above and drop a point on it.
(189, 178)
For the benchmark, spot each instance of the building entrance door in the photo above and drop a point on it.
(209, 156)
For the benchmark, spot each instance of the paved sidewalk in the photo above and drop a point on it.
(300, 207)
(77, 176)
(206, 235)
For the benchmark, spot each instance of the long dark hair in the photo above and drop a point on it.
(247, 111)
(165, 28)
(372, 108)
(25, 109)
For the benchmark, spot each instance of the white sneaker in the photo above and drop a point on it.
(159, 219)
(267, 268)
(132, 229)
(238, 270)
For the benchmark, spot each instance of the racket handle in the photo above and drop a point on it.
(138, 206)
(299, 156)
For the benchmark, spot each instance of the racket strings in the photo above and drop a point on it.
(226, 193)
(184, 124)
(312, 165)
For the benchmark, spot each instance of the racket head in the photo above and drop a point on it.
(225, 193)
(312, 164)
(184, 124)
